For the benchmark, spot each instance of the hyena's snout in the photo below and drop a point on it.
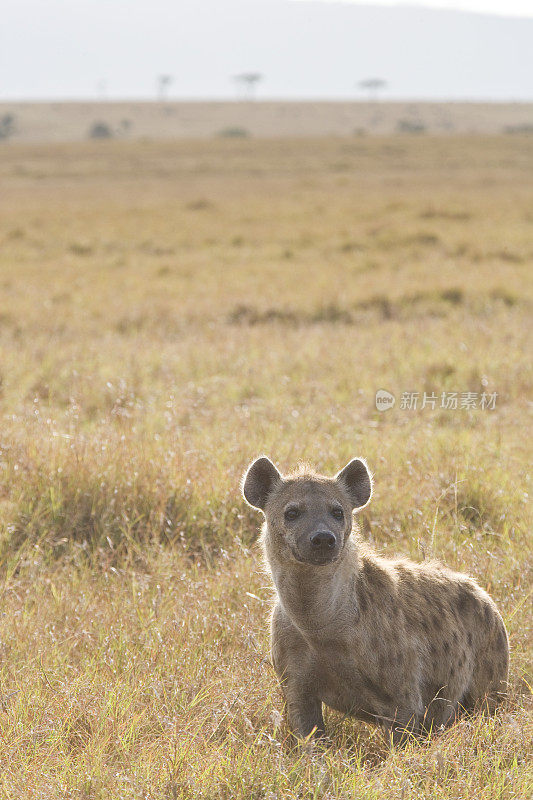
(323, 541)
(320, 546)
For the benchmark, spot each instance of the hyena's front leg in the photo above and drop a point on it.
(293, 665)
(304, 710)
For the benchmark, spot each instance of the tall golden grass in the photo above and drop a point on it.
(170, 311)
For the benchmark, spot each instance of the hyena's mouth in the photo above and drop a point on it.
(314, 560)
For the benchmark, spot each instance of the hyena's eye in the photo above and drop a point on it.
(292, 513)
(337, 513)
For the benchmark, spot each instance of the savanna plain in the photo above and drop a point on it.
(171, 310)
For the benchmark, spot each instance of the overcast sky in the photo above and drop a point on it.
(519, 8)
(106, 49)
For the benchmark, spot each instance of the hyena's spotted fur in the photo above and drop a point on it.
(397, 643)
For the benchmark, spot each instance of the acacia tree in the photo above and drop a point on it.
(372, 86)
(7, 126)
(163, 82)
(249, 82)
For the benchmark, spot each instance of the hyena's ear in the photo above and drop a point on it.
(357, 482)
(260, 479)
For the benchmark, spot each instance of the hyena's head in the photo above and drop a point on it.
(308, 516)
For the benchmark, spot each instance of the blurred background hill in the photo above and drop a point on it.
(306, 50)
(73, 71)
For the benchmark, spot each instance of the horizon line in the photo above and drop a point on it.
(260, 100)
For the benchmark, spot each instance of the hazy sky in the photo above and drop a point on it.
(521, 8)
(87, 49)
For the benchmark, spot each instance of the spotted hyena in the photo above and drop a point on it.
(397, 643)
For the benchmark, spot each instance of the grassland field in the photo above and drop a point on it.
(56, 122)
(168, 312)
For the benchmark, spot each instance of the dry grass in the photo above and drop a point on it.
(55, 122)
(171, 311)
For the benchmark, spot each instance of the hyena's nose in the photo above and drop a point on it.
(323, 540)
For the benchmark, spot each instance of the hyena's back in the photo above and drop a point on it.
(462, 641)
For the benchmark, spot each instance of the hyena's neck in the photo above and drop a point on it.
(318, 598)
